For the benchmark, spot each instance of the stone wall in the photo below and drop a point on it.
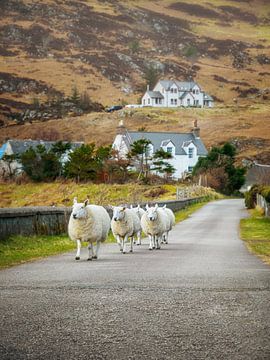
(43, 220)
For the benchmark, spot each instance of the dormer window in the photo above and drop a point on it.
(169, 149)
(190, 153)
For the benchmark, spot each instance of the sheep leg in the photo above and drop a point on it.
(78, 250)
(139, 238)
(133, 239)
(119, 242)
(166, 238)
(90, 252)
(124, 240)
(157, 242)
(95, 255)
(150, 242)
(131, 244)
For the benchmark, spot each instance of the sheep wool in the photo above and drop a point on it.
(88, 223)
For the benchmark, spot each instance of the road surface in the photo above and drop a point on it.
(202, 296)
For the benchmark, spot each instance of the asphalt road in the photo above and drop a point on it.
(202, 296)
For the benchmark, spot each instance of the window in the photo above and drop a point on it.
(171, 90)
(171, 101)
(169, 150)
(148, 101)
(175, 90)
(197, 102)
(156, 100)
(190, 152)
(175, 101)
(197, 91)
(188, 102)
(160, 101)
(193, 91)
(190, 168)
(143, 101)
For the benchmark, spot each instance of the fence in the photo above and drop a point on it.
(54, 220)
(262, 203)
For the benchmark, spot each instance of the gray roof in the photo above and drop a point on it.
(207, 97)
(155, 94)
(20, 146)
(186, 85)
(185, 94)
(177, 138)
(258, 174)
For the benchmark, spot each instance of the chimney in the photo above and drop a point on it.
(196, 129)
(147, 87)
(121, 129)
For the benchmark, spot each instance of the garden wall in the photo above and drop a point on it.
(43, 220)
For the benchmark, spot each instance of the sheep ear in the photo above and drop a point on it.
(131, 206)
(147, 206)
(156, 206)
(164, 207)
(75, 201)
(86, 202)
(139, 206)
(123, 208)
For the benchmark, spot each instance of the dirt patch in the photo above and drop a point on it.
(14, 84)
(226, 81)
(234, 13)
(196, 10)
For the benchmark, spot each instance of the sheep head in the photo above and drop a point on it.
(151, 212)
(79, 210)
(118, 213)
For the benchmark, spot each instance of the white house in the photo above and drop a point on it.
(186, 148)
(174, 93)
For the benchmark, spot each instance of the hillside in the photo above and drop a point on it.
(106, 47)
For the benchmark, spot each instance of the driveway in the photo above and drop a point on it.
(202, 296)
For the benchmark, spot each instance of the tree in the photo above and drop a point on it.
(141, 154)
(134, 46)
(40, 164)
(75, 96)
(219, 167)
(162, 166)
(151, 76)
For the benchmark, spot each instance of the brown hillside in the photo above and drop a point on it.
(105, 47)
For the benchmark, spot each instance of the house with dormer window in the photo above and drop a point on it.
(174, 93)
(185, 148)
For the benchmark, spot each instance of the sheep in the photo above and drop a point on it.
(155, 223)
(125, 223)
(88, 223)
(171, 217)
(139, 212)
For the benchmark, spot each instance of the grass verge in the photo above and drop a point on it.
(19, 249)
(255, 231)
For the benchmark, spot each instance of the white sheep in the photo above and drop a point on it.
(88, 223)
(171, 217)
(125, 223)
(155, 223)
(139, 212)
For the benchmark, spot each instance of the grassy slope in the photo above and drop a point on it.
(19, 249)
(255, 231)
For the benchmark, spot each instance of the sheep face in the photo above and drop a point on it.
(118, 213)
(151, 212)
(79, 209)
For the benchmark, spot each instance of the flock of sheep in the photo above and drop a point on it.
(92, 223)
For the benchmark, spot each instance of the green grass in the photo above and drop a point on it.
(19, 249)
(255, 231)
